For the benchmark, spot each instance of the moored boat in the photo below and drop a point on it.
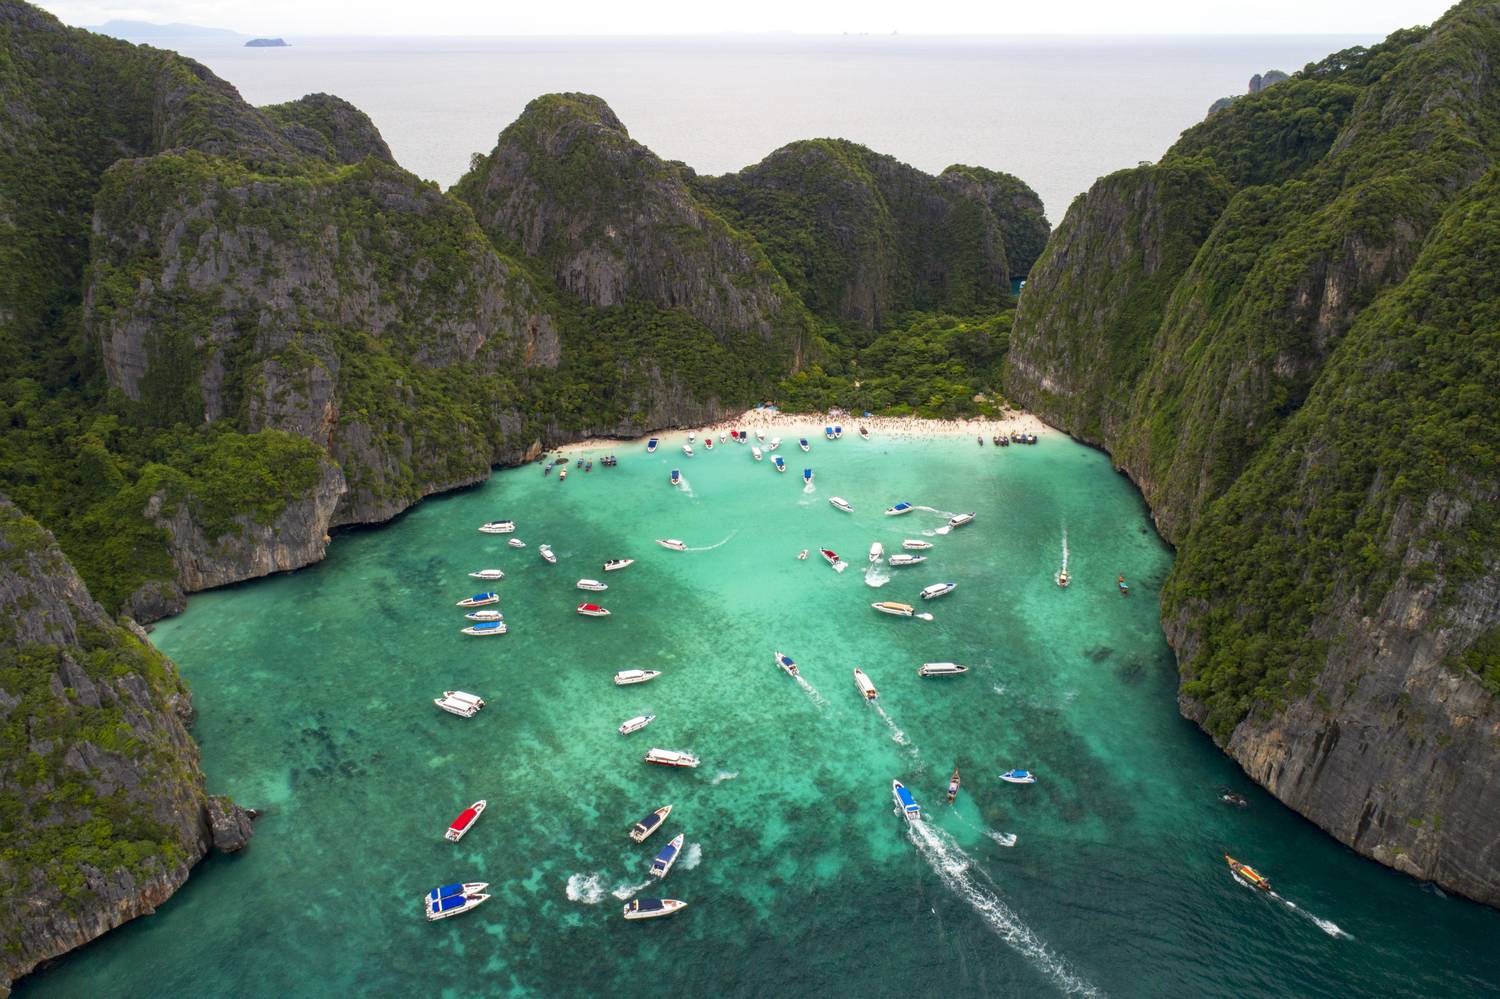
(452, 900)
(592, 610)
(1124, 586)
(864, 433)
(916, 545)
(628, 676)
(938, 590)
(465, 821)
(692, 437)
(485, 629)
(961, 520)
(485, 615)
(650, 824)
(687, 449)
(941, 669)
(802, 443)
(652, 908)
(779, 462)
(744, 437)
(755, 452)
(786, 663)
(899, 509)
(838, 432)
(1248, 874)
(498, 527)
(671, 758)
(618, 563)
(892, 607)
(592, 584)
(1018, 777)
(877, 552)
(708, 442)
(672, 544)
(516, 543)
(662, 865)
(839, 503)
(897, 561)
(545, 551)
(636, 724)
(773, 444)
(461, 703)
(735, 436)
(828, 433)
(562, 475)
(953, 786)
(866, 687)
(480, 599)
(906, 805)
(487, 574)
(651, 445)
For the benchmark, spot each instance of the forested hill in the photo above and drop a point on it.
(1288, 332)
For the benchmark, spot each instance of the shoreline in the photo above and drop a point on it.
(793, 425)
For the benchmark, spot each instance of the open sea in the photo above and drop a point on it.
(1105, 877)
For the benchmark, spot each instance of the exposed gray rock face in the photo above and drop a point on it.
(229, 824)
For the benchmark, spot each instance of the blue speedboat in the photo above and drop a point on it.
(786, 663)
(668, 856)
(450, 900)
(802, 443)
(779, 462)
(837, 432)
(828, 433)
(676, 477)
(651, 445)
(899, 509)
(1018, 777)
(486, 628)
(905, 803)
(807, 475)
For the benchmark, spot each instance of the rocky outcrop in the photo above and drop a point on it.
(1294, 363)
(1016, 207)
(1260, 81)
(228, 824)
(330, 128)
(103, 714)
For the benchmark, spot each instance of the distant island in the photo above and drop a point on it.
(266, 43)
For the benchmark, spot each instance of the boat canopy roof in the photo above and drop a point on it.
(445, 891)
(648, 905)
(651, 820)
(450, 903)
(907, 801)
(667, 852)
(487, 626)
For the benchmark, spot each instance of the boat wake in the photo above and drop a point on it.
(812, 692)
(808, 489)
(954, 868)
(724, 775)
(709, 548)
(941, 531)
(922, 617)
(624, 892)
(1004, 839)
(876, 575)
(897, 736)
(1326, 925)
(585, 888)
(945, 514)
(692, 856)
(1065, 548)
(686, 488)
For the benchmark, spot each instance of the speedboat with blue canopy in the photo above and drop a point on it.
(1018, 777)
(779, 462)
(899, 509)
(676, 477)
(480, 599)
(838, 431)
(662, 865)
(785, 662)
(807, 475)
(905, 803)
(828, 433)
(450, 900)
(484, 629)
(650, 824)
(652, 908)
(651, 445)
(802, 443)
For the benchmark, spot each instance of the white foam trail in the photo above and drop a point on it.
(725, 775)
(922, 617)
(840, 565)
(692, 856)
(1326, 925)
(585, 888)
(623, 892)
(876, 575)
(898, 736)
(686, 487)
(808, 489)
(945, 514)
(1004, 839)
(817, 698)
(1065, 548)
(709, 548)
(941, 530)
(952, 865)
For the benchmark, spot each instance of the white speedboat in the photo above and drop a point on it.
(916, 545)
(708, 442)
(785, 662)
(662, 865)
(760, 435)
(802, 443)
(897, 561)
(877, 552)
(465, 821)
(487, 574)
(636, 724)
(802, 555)
(941, 669)
(651, 446)
(774, 444)
(485, 615)
(485, 629)
(650, 824)
(628, 676)
(671, 758)
(832, 558)
(498, 527)
(480, 599)
(828, 433)
(516, 543)
(592, 610)
(545, 551)
(1018, 777)
(672, 544)
(892, 607)
(592, 584)
(938, 590)
(652, 908)
(839, 503)
(618, 563)
(961, 520)
(863, 683)
(687, 450)
(692, 437)
(899, 509)
(452, 900)
(755, 452)
(458, 702)
(779, 462)
(905, 803)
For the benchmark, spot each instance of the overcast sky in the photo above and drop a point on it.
(613, 17)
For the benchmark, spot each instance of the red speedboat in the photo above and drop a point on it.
(465, 821)
(830, 555)
(592, 610)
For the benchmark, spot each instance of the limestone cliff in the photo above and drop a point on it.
(1285, 332)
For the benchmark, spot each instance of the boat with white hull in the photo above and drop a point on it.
(485, 615)
(636, 724)
(516, 543)
(480, 599)
(687, 450)
(941, 669)
(615, 564)
(460, 826)
(652, 908)
(459, 702)
(899, 509)
(644, 828)
(671, 758)
(651, 446)
(676, 479)
(592, 584)
(662, 865)
(672, 544)
(786, 663)
(877, 552)
(832, 558)
(454, 899)
(897, 561)
(498, 527)
(906, 805)
(485, 629)
(1018, 777)
(756, 453)
(487, 574)
(628, 676)
(779, 462)
(839, 503)
(592, 610)
(938, 590)
(916, 545)
(866, 687)
(894, 608)
(961, 520)
(807, 475)
(545, 551)
(804, 445)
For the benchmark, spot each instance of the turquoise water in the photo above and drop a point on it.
(314, 693)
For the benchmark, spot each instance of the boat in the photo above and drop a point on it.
(961, 520)
(651, 446)
(744, 437)
(626, 677)
(828, 433)
(735, 434)
(708, 442)
(832, 558)
(1234, 798)
(1003, 441)
(687, 449)
(485, 629)
(662, 865)
(650, 824)
(916, 545)
(877, 552)
(807, 475)
(802, 443)
(1124, 586)
(452, 900)
(651, 908)
(562, 476)
(953, 786)
(838, 432)
(480, 600)
(547, 469)
(760, 435)
(457, 702)
(981, 440)
(722, 437)
(618, 563)
(465, 821)
(676, 477)
(1062, 577)
(839, 503)
(516, 543)
(899, 509)
(905, 803)
(672, 544)
(892, 607)
(756, 453)
(670, 758)
(941, 669)
(779, 462)
(545, 551)
(498, 527)
(938, 590)
(1018, 777)
(580, 463)
(636, 724)
(802, 555)
(592, 610)
(865, 686)
(864, 433)
(487, 574)
(774, 444)
(692, 437)
(589, 465)
(485, 615)
(1248, 874)
(609, 461)
(785, 662)
(896, 561)
(592, 584)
